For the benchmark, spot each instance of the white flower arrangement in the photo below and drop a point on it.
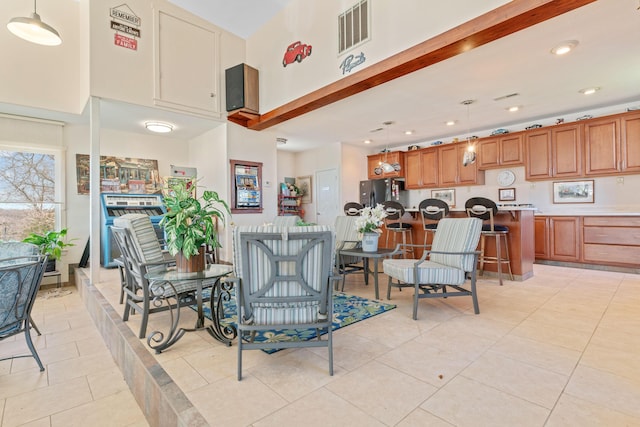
(371, 219)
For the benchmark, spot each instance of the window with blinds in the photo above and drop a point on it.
(353, 26)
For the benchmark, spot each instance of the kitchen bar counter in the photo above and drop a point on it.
(521, 237)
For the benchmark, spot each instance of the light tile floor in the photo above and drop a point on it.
(557, 350)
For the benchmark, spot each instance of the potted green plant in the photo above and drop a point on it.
(51, 244)
(190, 223)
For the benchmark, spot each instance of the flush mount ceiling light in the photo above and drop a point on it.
(158, 127)
(33, 30)
(408, 132)
(513, 109)
(450, 123)
(564, 47)
(367, 141)
(589, 90)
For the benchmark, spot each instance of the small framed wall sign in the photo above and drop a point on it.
(448, 196)
(573, 192)
(507, 194)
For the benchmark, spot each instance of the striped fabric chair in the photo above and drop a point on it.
(142, 254)
(286, 220)
(347, 238)
(452, 256)
(20, 279)
(283, 281)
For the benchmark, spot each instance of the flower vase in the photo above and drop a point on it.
(370, 242)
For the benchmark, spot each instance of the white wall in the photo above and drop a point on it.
(396, 25)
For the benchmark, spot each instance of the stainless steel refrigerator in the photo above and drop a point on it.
(376, 191)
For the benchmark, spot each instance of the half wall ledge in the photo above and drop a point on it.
(159, 397)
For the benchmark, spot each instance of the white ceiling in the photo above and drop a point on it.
(607, 56)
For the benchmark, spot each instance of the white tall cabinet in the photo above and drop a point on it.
(186, 67)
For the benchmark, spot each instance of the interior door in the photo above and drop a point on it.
(327, 189)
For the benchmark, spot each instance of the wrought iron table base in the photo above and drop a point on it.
(220, 292)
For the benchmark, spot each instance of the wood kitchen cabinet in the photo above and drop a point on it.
(554, 152)
(557, 238)
(611, 240)
(501, 151)
(421, 168)
(451, 172)
(612, 145)
(375, 160)
(541, 237)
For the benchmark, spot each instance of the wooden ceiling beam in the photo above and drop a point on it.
(500, 22)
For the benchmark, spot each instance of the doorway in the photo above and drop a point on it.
(327, 190)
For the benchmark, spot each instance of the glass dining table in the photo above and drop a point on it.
(220, 292)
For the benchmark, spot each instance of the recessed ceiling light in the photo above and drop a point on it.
(589, 90)
(367, 141)
(564, 47)
(408, 132)
(513, 109)
(159, 127)
(450, 123)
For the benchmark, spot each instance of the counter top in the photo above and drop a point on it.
(500, 209)
(594, 213)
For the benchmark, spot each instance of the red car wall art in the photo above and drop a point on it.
(296, 52)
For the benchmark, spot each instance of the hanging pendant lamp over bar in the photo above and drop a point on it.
(386, 166)
(33, 30)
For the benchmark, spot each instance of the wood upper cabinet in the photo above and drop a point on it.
(630, 143)
(507, 150)
(373, 165)
(451, 172)
(602, 146)
(421, 168)
(554, 152)
(612, 145)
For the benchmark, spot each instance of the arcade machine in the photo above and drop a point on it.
(118, 204)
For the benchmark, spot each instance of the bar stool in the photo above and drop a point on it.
(352, 208)
(432, 210)
(486, 209)
(394, 224)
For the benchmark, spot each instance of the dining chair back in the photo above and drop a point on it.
(432, 211)
(486, 209)
(352, 208)
(395, 224)
(347, 237)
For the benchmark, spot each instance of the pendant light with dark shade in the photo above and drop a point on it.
(33, 30)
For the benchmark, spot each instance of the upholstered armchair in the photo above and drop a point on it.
(283, 280)
(142, 254)
(451, 258)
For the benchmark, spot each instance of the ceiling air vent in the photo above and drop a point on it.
(511, 95)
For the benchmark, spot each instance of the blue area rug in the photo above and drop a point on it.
(347, 310)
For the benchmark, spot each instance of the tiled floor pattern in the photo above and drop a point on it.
(560, 349)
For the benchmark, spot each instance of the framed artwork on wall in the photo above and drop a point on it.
(304, 184)
(507, 194)
(448, 196)
(573, 191)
